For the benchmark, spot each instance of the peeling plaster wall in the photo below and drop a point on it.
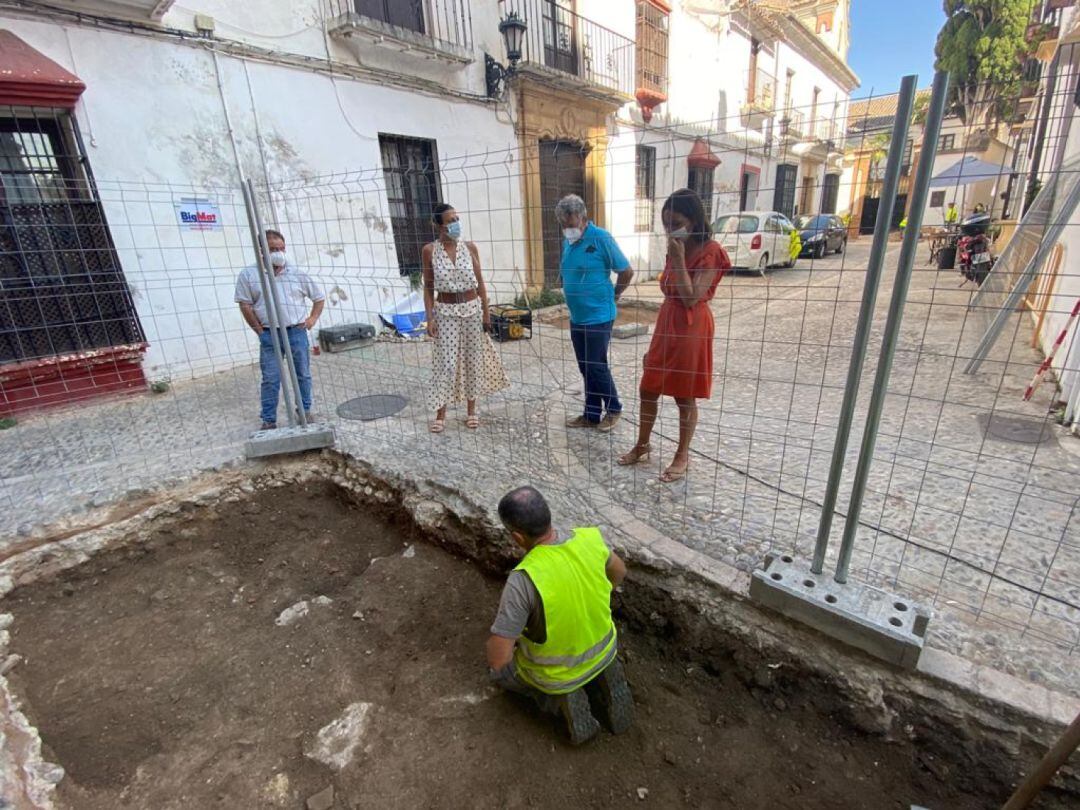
(155, 130)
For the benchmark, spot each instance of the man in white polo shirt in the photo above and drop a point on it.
(295, 288)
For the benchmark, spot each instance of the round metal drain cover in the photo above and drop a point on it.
(1018, 429)
(375, 406)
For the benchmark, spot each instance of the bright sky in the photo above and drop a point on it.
(891, 38)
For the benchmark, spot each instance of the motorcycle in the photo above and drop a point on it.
(973, 257)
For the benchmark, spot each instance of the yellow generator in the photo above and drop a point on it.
(510, 323)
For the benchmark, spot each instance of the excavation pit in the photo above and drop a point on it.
(258, 650)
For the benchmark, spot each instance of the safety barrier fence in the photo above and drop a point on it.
(971, 499)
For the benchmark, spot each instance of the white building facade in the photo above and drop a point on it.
(127, 126)
(171, 108)
(746, 108)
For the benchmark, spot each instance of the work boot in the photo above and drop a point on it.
(268, 426)
(580, 422)
(610, 696)
(574, 709)
(608, 423)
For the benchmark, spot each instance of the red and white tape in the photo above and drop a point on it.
(1053, 350)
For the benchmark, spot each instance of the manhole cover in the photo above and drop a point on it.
(1018, 429)
(376, 406)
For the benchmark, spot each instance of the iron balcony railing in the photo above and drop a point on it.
(793, 125)
(446, 24)
(760, 91)
(558, 39)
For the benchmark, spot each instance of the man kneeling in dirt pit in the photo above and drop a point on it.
(553, 638)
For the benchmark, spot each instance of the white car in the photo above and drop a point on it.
(755, 239)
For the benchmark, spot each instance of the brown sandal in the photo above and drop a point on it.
(670, 475)
(638, 454)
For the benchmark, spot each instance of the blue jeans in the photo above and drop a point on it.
(591, 348)
(271, 368)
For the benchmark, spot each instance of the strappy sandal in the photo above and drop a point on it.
(437, 426)
(670, 476)
(472, 421)
(637, 455)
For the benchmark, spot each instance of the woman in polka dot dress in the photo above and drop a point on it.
(465, 365)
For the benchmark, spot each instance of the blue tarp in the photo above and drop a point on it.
(407, 315)
(967, 171)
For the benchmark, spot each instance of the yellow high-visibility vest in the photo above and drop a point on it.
(576, 594)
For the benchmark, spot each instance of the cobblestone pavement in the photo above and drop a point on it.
(983, 529)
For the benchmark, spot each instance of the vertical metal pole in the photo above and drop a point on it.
(897, 147)
(274, 303)
(297, 415)
(934, 115)
(262, 261)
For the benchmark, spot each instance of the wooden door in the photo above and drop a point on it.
(562, 172)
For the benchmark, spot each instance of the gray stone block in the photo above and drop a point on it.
(623, 331)
(263, 443)
(887, 626)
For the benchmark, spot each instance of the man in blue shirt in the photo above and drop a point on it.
(589, 257)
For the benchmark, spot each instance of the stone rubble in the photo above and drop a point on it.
(323, 800)
(335, 744)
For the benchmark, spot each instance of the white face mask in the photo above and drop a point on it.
(680, 233)
(572, 234)
(277, 258)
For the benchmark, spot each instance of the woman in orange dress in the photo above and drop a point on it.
(679, 361)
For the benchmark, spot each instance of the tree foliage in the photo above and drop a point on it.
(921, 108)
(983, 46)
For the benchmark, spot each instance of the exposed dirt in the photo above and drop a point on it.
(159, 679)
(628, 313)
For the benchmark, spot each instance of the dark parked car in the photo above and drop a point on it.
(821, 234)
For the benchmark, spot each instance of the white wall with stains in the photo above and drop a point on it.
(305, 108)
(154, 123)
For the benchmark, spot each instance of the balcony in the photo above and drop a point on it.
(760, 93)
(956, 144)
(827, 133)
(652, 56)
(434, 29)
(574, 52)
(793, 126)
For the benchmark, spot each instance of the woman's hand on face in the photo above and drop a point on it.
(676, 248)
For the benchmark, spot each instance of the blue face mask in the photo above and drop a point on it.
(453, 230)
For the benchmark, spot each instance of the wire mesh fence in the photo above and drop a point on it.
(972, 500)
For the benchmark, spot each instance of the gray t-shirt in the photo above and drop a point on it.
(294, 286)
(521, 610)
